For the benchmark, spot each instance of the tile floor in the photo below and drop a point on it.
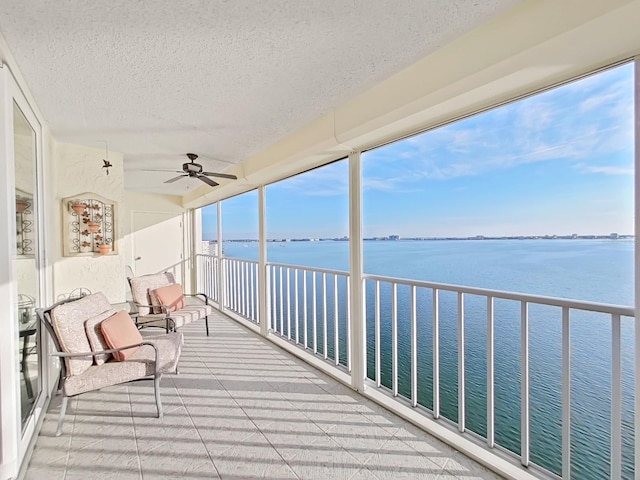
(239, 409)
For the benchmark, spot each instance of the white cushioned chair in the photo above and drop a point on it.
(88, 362)
(151, 312)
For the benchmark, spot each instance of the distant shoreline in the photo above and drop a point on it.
(394, 238)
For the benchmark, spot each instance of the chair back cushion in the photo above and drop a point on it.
(119, 331)
(68, 322)
(96, 339)
(141, 288)
(172, 296)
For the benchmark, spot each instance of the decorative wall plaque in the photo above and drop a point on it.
(89, 225)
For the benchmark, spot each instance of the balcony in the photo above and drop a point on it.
(240, 409)
(435, 353)
(243, 407)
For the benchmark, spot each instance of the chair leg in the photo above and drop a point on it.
(156, 387)
(206, 322)
(63, 411)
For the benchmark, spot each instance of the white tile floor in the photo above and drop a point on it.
(239, 409)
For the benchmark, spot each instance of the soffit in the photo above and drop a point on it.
(224, 79)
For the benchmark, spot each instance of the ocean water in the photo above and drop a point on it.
(592, 270)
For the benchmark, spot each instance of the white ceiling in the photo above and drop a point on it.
(224, 79)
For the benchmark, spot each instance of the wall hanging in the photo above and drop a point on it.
(89, 225)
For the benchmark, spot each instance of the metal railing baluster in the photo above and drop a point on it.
(247, 312)
(274, 319)
(324, 315)
(349, 324)
(616, 398)
(336, 330)
(281, 302)
(315, 308)
(524, 384)
(394, 339)
(236, 266)
(267, 289)
(436, 354)
(490, 375)
(461, 370)
(296, 304)
(304, 309)
(377, 333)
(288, 304)
(414, 348)
(566, 394)
(253, 291)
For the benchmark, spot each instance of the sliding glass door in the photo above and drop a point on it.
(25, 264)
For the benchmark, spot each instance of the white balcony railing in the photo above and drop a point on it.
(207, 271)
(309, 307)
(451, 352)
(233, 280)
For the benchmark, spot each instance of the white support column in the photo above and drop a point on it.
(196, 248)
(263, 312)
(220, 270)
(191, 249)
(637, 260)
(358, 325)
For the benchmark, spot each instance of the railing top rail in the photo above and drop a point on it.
(622, 310)
(310, 269)
(238, 259)
(625, 311)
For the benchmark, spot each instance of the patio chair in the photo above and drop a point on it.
(100, 347)
(160, 302)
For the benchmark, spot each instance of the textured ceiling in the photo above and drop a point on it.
(223, 79)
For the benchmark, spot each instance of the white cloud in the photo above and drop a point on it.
(569, 124)
(608, 170)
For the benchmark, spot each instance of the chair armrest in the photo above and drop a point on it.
(111, 350)
(206, 297)
(164, 309)
(142, 320)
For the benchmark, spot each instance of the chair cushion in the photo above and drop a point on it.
(137, 366)
(96, 339)
(172, 296)
(68, 322)
(142, 286)
(120, 331)
(195, 309)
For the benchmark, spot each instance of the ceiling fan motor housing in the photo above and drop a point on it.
(192, 167)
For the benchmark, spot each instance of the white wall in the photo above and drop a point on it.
(154, 208)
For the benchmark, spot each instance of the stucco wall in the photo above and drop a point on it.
(76, 170)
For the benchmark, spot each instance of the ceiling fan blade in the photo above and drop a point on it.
(208, 181)
(220, 175)
(171, 180)
(157, 170)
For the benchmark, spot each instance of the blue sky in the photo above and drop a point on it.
(560, 162)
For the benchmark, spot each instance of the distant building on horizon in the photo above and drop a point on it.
(209, 247)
